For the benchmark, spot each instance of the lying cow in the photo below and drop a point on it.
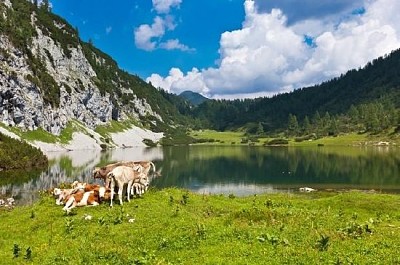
(61, 195)
(101, 172)
(82, 198)
(87, 197)
(122, 175)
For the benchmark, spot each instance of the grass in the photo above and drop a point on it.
(174, 226)
(343, 139)
(115, 126)
(46, 137)
(228, 138)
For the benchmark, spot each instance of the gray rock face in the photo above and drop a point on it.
(22, 103)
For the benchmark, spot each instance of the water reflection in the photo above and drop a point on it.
(66, 167)
(239, 170)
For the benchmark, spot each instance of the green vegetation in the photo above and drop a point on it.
(177, 136)
(46, 137)
(211, 136)
(115, 127)
(178, 227)
(17, 154)
(363, 100)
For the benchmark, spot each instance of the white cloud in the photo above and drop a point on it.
(148, 37)
(108, 30)
(175, 45)
(193, 81)
(266, 56)
(164, 6)
(144, 34)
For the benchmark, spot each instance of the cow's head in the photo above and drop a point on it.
(100, 172)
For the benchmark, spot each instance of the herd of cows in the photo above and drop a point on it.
(134, 175)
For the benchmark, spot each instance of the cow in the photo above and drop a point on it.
(122, 175)
(61, 195)
(138, 189)
(101, 172)
(82, 198)
(91, 195)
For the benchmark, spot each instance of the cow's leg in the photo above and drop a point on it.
(112, 193)
(120, 190)
(72, 206)
(69, 203)
(128, 191)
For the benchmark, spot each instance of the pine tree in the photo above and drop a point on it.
(306, 125)
(293, 125)
(260, 129)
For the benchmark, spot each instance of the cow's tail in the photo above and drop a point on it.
(110, 176)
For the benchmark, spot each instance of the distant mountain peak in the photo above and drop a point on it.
(193, 97)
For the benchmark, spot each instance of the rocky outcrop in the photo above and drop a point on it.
(22, 103)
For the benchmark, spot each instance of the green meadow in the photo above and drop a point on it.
(175, 226)
(349, 139)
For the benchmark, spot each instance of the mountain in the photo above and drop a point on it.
(49, 76)
(193, 97)
(379, 80)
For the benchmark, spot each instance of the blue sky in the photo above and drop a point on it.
(198, 25)
(237, 48)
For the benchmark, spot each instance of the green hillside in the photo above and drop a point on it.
(16, 154)
(369, 93)
(192, 97)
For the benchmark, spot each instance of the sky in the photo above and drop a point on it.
(229, 49)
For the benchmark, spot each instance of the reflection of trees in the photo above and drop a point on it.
(194, 166)
(184, 166)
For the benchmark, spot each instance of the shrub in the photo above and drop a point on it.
(278, 141)
(149, 142)
(17, 154)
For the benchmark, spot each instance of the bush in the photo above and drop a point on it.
(17, 154)
(149, 143)
(312, 136)
(278, 141)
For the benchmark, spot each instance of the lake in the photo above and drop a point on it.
(238, 170)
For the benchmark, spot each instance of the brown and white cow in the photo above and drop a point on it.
(61, 195)
(90, 197)
(82, 198)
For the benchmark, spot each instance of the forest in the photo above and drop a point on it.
(362, 100)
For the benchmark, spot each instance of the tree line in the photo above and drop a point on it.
(372, 117)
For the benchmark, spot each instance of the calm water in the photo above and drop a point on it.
(240, 170)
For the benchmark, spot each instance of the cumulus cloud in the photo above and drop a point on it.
(269, 56)
(193, 80)
(164, 6)
(149, 37)
(145, 34)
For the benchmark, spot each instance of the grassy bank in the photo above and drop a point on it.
(174, 226)
(351, 139)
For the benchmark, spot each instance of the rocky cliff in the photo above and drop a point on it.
(48, 76)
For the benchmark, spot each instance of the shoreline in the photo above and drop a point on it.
(90, 140)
